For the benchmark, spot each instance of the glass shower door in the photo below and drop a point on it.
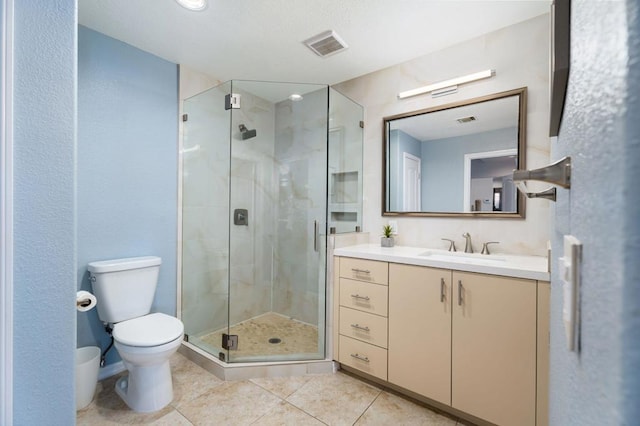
(205, 154)
(277, 217)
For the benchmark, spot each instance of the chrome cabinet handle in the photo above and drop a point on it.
(459, 292)
(360, 357)
(359, 327)
(357, 296)
(442, 287)
(361, 271)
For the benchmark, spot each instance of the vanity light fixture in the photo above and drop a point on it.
(447, 86)
(195, 5)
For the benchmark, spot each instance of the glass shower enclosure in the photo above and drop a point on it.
(255, 190)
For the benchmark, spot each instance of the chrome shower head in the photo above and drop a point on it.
(246, 133)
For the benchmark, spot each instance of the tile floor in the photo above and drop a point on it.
(254, 334)
(200, 398)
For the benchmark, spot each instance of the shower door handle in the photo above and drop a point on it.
(316, 235)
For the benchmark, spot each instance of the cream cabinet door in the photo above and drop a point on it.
(494, 348)
(420, 330)
(544, 299)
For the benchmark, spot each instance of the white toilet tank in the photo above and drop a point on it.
(124, 287)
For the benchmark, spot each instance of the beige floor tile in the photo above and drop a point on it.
(391, 409)
(108, 409)
(282, 386)
(336, 399)
(174, 418)
(231, 403)
(286, 414)
(189, 380)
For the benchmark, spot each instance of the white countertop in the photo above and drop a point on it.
(529, 267)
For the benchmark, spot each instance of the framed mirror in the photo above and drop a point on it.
(456, 159)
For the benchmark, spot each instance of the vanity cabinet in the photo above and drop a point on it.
(493, 348)
(478, 343)
(420, 330)
(363, 309)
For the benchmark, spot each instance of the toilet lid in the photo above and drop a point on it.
(150, 330)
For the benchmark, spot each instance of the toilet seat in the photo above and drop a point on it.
(147, 331)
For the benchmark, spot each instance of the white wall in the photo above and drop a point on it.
(520, 56)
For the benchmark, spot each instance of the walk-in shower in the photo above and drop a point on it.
(268, 179)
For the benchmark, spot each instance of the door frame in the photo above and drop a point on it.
(466, 200)
(6, 216)
(407, 156)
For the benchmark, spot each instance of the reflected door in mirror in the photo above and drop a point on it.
(456, 159)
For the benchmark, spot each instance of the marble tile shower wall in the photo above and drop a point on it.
(301, 136)
(253, 187)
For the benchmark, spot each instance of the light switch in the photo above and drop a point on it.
(569, 269)
(394, 225)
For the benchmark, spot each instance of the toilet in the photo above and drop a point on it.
(125, 289)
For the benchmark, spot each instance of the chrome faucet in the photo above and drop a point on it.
(485, 247)
(452, 244)
(468, 248)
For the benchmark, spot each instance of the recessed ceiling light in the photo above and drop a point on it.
(196, 5)
(295, 97)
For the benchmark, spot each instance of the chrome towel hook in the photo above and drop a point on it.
(558, 173)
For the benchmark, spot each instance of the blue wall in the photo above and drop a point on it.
(127, 166)
(443, 166)
(44, 212)
(601, 131)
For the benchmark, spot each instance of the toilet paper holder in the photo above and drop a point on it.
(558, 173)
(85, 301)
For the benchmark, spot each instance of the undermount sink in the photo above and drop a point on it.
(460, 257)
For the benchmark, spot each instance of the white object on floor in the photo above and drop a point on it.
(87, 367)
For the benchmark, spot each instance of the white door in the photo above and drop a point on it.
(411, 182)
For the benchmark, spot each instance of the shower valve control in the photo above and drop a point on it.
(241, 217)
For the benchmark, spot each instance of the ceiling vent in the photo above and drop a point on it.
(466, 119)
(326, 44)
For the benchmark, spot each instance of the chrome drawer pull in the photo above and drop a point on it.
(357, 296)
(359, 327)
(459, 292)
(361, 358)
(442, 287)
(361, 271)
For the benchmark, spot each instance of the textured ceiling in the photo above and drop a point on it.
(262, 39)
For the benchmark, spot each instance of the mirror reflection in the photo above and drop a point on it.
(456, 159)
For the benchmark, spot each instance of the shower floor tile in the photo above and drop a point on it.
(253, 337)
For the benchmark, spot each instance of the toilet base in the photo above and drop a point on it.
(146, 389)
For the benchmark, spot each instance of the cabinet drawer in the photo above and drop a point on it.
(364, 270)
(363, 296)
(363, 326)
(363, 356)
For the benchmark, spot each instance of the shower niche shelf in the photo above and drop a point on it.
(344, 187)
(344, 216)
(343, 201)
